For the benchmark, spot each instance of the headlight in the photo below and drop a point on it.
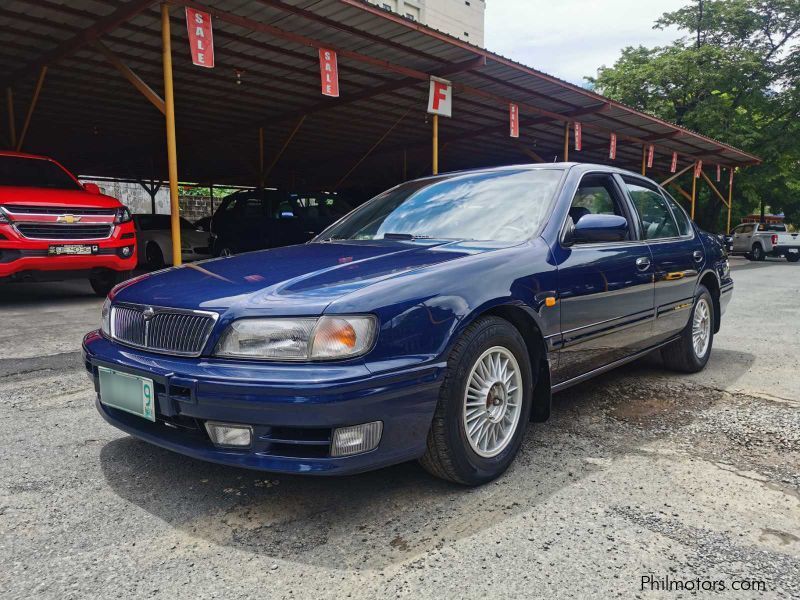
(105, 317)
(298, 339)
(122, 215)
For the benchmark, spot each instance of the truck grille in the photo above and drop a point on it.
(165, 330)
(47, 231)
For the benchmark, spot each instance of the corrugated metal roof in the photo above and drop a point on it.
(95, 121)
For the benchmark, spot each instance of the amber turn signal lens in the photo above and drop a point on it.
(549, 301)
(336, 333)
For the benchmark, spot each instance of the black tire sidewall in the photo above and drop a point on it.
(471, 467)
(155, 261)
(758, 252)
(793, 258)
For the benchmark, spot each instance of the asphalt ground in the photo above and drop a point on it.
(642, 479)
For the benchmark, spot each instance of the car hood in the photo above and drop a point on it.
(293, 280)
(29, 196)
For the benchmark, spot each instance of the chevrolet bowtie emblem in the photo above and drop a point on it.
(69, 219)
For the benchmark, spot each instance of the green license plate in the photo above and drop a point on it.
(130, 393)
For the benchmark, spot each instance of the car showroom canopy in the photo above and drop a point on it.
(93, 83)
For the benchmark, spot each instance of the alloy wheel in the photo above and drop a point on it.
(701, 327)
(492, 401)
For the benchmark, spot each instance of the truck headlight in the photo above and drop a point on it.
(304, 338)
(122, 215)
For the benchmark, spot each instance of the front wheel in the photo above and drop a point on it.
(690, 352)
(104, 282)
(484, 405)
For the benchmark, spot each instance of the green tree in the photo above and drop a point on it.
(734, 76)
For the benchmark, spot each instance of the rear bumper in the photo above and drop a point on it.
(784, 250)
(292, 408)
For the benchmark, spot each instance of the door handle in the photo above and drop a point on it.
(698, 256)
(643, 263)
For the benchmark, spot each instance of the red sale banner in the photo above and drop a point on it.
(719, 173)
(513, 117)
(578, 136)
(201, 37)
(650, 154)
(674, 166)
(612, 149)
(329, 72)
(698, 168)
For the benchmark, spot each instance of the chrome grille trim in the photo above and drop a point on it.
(63, 231)
(175, 331)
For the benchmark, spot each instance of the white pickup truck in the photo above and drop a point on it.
(759, 240)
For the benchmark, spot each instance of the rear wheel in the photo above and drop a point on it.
(757, 253)
(484, 405)
(103, 282)
(690, 353)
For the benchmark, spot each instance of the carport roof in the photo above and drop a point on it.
(267, 75)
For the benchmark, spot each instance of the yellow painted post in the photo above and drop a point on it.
(644, 159)
(12, 127)
(172, 150)
(435, 144)
(694, 190)
(730, 202)
(566, 141)
(31, 108)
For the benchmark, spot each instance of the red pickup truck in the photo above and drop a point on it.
(53, 227)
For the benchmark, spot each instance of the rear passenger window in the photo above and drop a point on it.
(657, 221)
(684, 226)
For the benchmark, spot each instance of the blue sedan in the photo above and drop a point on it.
(432, 323)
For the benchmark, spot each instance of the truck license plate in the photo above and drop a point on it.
(80, 249)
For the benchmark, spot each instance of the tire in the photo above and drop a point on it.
(103, 283)
(793, 258)
(154, 257)
(225, 251)
(450, 454)
(757, 253)
(682, 355)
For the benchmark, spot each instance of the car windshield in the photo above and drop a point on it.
(18, 171)
(500, 206)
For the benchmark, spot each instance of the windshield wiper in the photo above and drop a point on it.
(405, 236)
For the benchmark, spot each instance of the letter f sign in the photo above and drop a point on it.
(440, 97)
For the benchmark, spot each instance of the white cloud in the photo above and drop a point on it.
(572, 38)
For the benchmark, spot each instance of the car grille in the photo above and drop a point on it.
(164, 330)
(57, 210)
(47, 231)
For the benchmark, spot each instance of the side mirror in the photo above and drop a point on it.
(599, 228)
(92, 188)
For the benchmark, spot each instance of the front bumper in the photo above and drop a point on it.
(24, 258)
(293, 408)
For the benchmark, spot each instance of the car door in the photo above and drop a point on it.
(742, 238)
(678, 254)
(605, 289)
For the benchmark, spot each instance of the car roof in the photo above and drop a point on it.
(24, 155)
(563, 166)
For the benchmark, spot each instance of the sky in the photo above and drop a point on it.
(572, 38)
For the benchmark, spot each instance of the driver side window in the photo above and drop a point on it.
(596, 195)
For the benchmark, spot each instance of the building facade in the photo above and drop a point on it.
(460, 18)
